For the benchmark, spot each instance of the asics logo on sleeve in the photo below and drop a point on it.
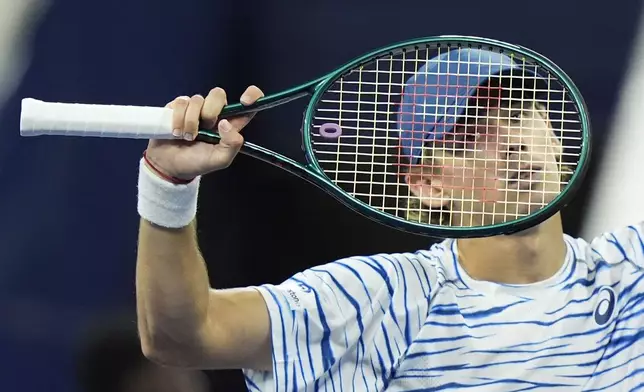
(605, 305)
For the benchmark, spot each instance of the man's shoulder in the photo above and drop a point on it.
(436, 258)
(611, 248)
(613, 259)
(410, 271)
(434, 264)
(433, 257)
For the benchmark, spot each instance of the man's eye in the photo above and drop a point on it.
(461, 140)
(515, 115)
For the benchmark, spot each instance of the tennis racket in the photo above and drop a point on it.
(447, 136)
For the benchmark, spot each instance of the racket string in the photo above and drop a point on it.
(367, 158)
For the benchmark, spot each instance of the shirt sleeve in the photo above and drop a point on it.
(347, 321)
(624, 244)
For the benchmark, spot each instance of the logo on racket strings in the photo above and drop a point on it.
(330, 131)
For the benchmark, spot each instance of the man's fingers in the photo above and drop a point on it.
(229, 134)
(179, 107)
(191, 112)
(215, 101)
(230, 143)
(191, 121)
(250, 96)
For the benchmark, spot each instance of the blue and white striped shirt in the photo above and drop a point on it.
(416, 321)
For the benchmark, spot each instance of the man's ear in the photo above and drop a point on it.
(427, 187)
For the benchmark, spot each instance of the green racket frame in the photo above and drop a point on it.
(313, 173)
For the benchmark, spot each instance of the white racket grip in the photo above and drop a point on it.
(111, 121)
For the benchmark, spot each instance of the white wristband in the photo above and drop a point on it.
(164, 203)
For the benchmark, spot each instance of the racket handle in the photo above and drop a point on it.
(110, 121)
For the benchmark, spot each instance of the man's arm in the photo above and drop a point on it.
(182, 321)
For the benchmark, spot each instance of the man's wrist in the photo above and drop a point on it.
(165, 203)
(163, 175)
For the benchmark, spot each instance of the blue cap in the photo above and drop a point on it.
(437, 94)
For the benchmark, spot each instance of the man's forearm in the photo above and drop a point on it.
(172, 288)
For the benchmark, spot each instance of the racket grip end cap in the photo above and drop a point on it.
(38, 118)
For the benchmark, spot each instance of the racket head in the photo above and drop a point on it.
(421, 136)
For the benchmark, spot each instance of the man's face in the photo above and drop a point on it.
(496, 168)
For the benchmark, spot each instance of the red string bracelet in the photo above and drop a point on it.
(174, 180)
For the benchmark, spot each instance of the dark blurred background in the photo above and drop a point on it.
(68, 206)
